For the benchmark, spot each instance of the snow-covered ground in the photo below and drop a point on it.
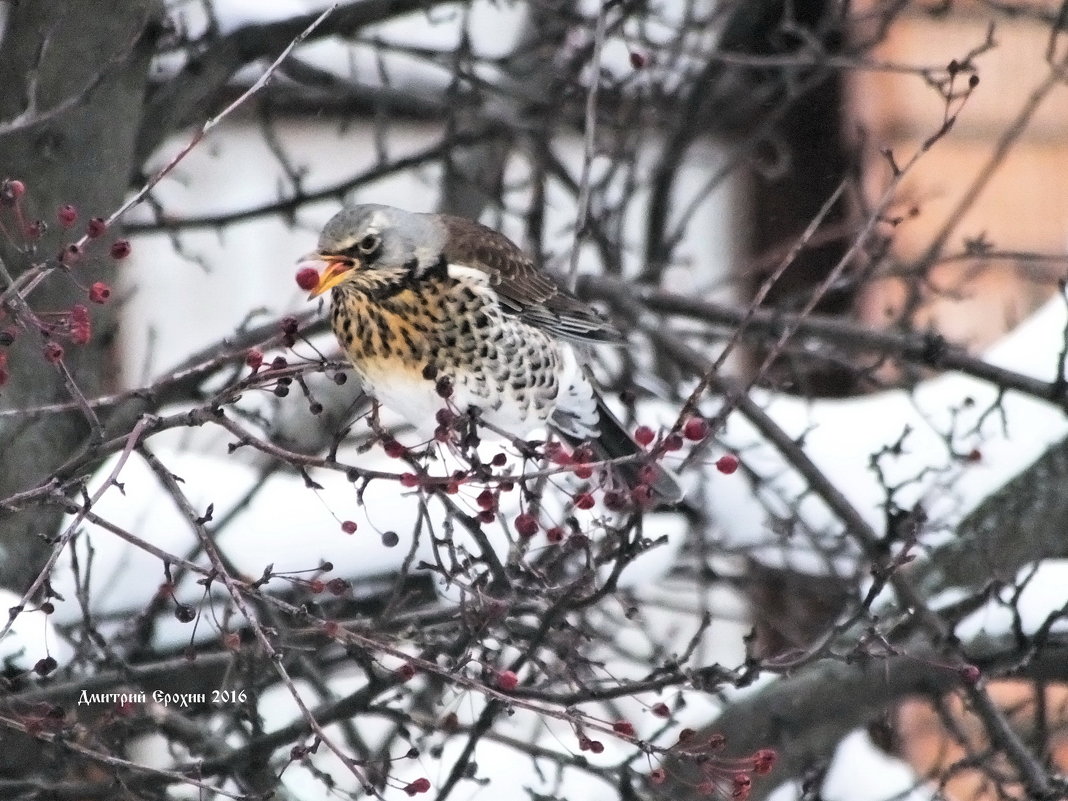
(959, 442)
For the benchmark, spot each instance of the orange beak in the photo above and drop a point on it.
(337, 268)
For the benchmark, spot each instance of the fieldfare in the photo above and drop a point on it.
(418, 298)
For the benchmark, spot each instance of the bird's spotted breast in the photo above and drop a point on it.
(509, 369)
(399, 330)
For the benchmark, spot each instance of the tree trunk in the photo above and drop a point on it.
(81, 69)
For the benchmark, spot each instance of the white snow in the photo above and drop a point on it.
(861, 772)
(1044, 593)
(285, 524)
(941, 420)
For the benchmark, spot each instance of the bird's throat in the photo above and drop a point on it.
(397, 329)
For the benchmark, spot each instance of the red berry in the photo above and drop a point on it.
(486, 500)
(526, 525)
(672, 442)
(644, 435)
(79, 332)
(764, 761)
(316, 586)
(499, 460)
(337, 586)
(637, 60)
(418, 786)
(742, 785)
(96, 228)
(331, 628)
(10, 191)
(584, 500)
(393, 449)
(307, 278)
(67, 215)
(99, 292)
(624, 727)
(642, 495)
(596, 746)
(348, 526)
(615, 500)
(443, 387)
(35, 230)
(507, 680)
(583, 454)
(555, 534)
(53, 352)
(487, 516)
(557, 453)
(120, 248)
(444, 417)
(583, 471)
(254, 358)
(278, 362)
(409, 480)
(727, 463)
(661, 710)
(969, 674)
(696, 429)
(658, 776)
(406, 671)
(70, 254)
(79, 324)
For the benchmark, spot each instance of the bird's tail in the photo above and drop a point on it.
(615, 442)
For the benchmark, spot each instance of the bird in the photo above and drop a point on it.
(418, 299)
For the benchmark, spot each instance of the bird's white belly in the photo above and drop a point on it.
(514, 411)
(416, 399)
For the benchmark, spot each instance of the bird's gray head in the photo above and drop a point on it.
(377, 247)
(384, 237)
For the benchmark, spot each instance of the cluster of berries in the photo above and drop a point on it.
(73, 324)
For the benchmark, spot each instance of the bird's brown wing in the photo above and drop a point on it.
(524, 290)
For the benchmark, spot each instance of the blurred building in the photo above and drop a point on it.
(984, 212)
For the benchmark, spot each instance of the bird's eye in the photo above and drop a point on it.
(369, 244)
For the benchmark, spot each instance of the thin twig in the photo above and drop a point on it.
(27, 287)
(589, 142)
(132, 440)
